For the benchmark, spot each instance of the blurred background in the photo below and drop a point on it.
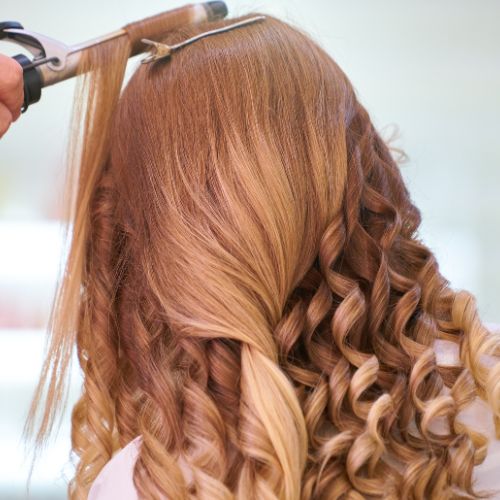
(431, 68)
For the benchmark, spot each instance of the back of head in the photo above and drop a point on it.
(230, 162)
(254, 294)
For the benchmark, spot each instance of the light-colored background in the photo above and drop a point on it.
(431, 67)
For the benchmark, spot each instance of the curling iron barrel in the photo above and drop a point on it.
(53, 61)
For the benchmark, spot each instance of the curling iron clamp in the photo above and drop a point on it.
(53, 61)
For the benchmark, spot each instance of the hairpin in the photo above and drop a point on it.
(162, 50)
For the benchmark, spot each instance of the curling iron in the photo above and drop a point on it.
(54, 61)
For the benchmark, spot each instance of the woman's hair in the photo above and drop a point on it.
(246, 288)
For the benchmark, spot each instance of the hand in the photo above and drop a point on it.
(11, 92)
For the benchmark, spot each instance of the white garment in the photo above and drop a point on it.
(115, 482)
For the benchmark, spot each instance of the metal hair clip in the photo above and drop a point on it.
(162, 50)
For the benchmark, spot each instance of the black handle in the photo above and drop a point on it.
(32, 81)
(31, 76)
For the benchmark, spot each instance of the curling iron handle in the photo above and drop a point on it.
(32, 82)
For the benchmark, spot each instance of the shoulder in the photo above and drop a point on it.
(478, 416)
(447, 352)
(115, 481)
(494, 327)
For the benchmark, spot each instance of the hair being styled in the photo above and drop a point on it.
(246, 287)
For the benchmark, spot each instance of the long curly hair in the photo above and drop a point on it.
(247, 290)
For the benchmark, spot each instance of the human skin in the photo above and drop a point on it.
(11, 92)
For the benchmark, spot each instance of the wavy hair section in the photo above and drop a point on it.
(249, 290)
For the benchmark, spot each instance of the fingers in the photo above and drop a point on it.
(11, 85)
(5, 119)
